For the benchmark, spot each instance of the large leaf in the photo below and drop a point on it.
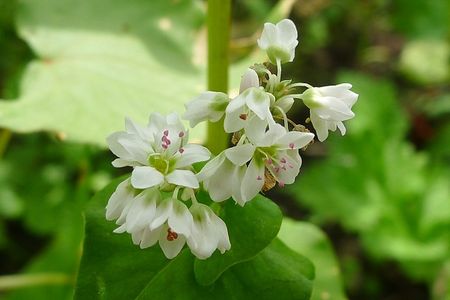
(277, 272)
(251, 229)
(309, 240)
(113, 268)
(100, 60)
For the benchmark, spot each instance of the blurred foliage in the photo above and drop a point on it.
(96, 61)
(314, 244)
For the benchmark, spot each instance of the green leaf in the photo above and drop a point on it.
(251, 228)
(101, 60)
(277, 272)
(309, 240)
(113, 268)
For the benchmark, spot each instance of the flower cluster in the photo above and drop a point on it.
(266, 152)
(152, 204)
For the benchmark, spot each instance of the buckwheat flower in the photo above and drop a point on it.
(222, 178)
(279, 41)
(171, 226)
(159, 153)
(329, 107)
(252, 100)
(272, 153)
(120, 199)
(139, 212)
(208, 106)
(209, 232)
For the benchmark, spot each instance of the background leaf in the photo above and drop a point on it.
(93, 68)
(309, 240)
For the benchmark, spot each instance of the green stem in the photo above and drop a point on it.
(8, 282)
(218, 22)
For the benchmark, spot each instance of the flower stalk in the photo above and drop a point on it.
(218, 22)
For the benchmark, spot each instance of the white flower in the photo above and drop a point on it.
(158, 152)
(137, 212)
(252, 100)
(329, 106)
(207, 106)
(222, 179)
(279, 41)
(274, 151)
(209, 232)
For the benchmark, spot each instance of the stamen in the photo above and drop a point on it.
(258, 178)
(283, 160)
(291, 145)
(166, 132)
(181, 134)
(243, 116)
(281, 184)
(181, 150)
(171, 235)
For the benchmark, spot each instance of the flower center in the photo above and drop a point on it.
(158, 162)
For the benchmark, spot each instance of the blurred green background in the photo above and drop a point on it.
(71, 70)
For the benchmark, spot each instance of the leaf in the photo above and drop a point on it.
(99, 61)
(113, 268)
(309, 240)
(251, 228)
(277, 272)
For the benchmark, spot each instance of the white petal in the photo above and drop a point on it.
(249, 79)
(171, 248)
(236, 183)
(183, 177)
(115, 146)
(192, 153)
(268, 36)
(320, 126)
(341, 127)
(294, 140)
(240, 154)
(143, 211)
(145, 177)
(211, 167)
(259, 102)
(287, 31)
(334, 109)
(116, 203)
(163, 211)
(253, 180)
(180, 219)
(236, 104)
(256, 130)
(219, 184)
(150, 237)
(233, 121)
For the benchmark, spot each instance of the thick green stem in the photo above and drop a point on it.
(218, 22)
